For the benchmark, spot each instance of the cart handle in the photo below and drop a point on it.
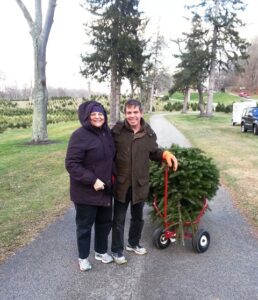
(205, 206)
(165, 203)
(155, 205)
(166, 195)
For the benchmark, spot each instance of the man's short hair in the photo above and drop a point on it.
(133, 102)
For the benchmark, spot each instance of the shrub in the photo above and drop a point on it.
(221, 107)
(165, 98)
(229, 108)
(194, 106)
(177, 106)
(168, 107)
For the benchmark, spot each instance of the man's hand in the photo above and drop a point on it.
(99, 185)
(170, 159)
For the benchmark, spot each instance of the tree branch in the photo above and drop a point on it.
(38, 14)
(48, 22)
(26, 14)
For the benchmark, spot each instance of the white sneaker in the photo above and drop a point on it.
(105, 258)
(119, 258)
(136, 249)
(84, 264)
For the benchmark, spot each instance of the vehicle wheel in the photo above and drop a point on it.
(255, 129)
(234, 123)
(201, 241)
(243, 129)
(159, 239)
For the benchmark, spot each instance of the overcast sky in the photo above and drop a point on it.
(67, 38)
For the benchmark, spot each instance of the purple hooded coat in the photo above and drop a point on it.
(90, 155)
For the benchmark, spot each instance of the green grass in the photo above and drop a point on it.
(224, 98)
(234, 152)
(219, 97)
(33, 184)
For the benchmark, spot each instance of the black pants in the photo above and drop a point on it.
(86, 216)
(136, 224)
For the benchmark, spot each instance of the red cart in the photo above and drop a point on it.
(163, 236)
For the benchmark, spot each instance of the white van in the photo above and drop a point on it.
(238, 110)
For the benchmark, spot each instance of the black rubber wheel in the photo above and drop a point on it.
(201, 241)
(243, 129)
(159, 239)
(255, 129)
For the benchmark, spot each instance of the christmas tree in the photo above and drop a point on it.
(195, 181)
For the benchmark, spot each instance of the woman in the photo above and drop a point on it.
(89, 161)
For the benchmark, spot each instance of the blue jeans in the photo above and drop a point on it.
(86, 216)
(136, 224)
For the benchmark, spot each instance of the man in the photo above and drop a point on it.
(135, 144)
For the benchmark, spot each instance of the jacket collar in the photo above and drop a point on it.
(145, 127)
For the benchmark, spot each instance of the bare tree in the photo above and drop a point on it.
(213, 61)
(12, 92)
(226, 47)
(40, 35)
(159, 43)
(251, 67)
(249, 78)
(2, 82)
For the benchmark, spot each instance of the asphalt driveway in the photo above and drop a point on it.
(47, 268)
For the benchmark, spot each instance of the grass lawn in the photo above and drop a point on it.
(219, 97)
(234, 152)
(33, 184)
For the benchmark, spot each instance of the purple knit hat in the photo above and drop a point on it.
(97, 108)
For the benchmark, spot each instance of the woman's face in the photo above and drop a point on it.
(97, 119)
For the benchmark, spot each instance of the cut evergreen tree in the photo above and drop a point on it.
(196, 180)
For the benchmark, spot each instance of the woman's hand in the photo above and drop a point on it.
(98, 185)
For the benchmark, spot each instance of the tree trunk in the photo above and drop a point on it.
(40, 37)
(200, 102)
(145, 97)
(151, 96)
(113, 97)
(146, 94)
(89, 90)
(118, 96)
(209, 110)
(40, 98)
(186, 100)
(132, 88)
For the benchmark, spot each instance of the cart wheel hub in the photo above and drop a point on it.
(203, 241)
(163, 239)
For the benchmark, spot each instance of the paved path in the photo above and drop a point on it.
(47, 268)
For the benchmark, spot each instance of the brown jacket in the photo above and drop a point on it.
(133, 152)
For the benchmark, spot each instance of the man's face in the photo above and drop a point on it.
(133, 116)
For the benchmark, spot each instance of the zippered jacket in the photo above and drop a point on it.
(133, 155)
(90, 155)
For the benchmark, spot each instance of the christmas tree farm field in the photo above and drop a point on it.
(234, 153)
